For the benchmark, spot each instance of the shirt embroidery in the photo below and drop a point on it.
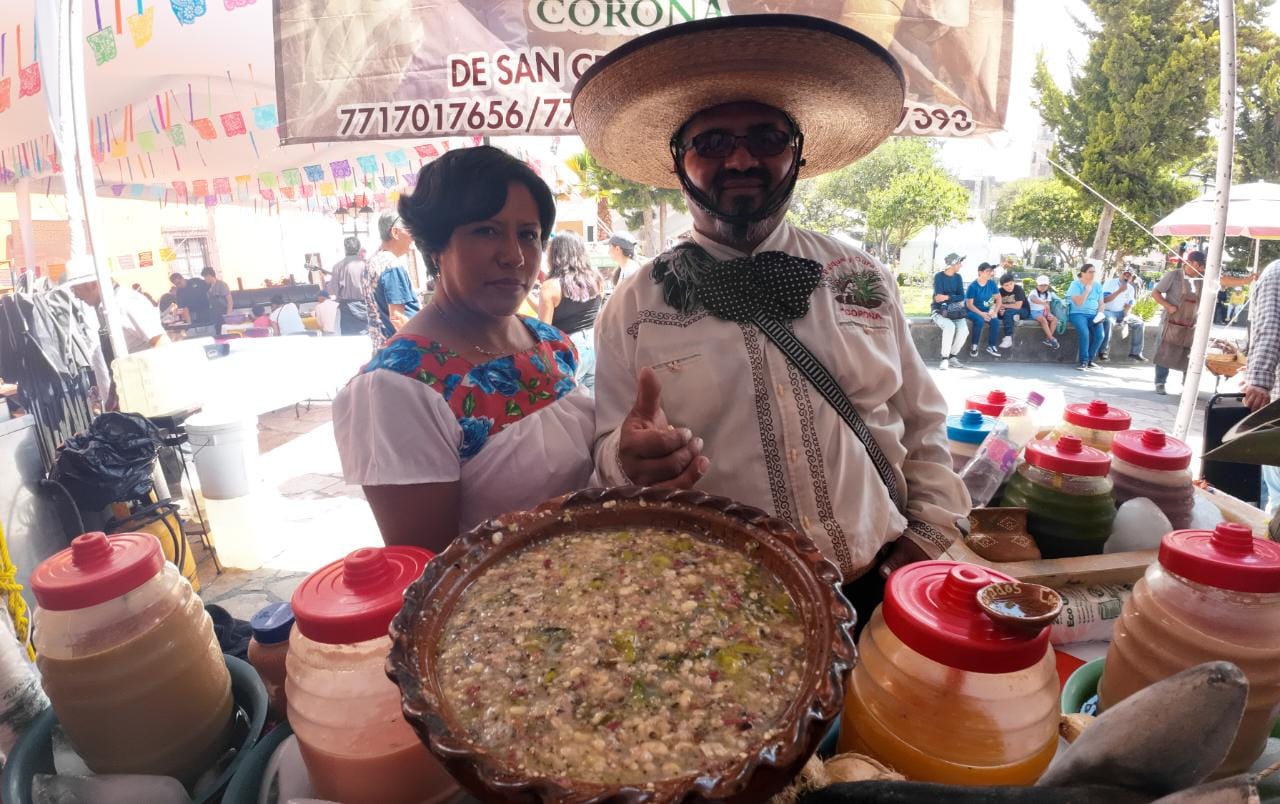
(486, 397)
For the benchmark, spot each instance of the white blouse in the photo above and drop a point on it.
(394, 430)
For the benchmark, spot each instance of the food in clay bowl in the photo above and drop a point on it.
(625, 645)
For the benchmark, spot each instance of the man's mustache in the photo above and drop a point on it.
(756, 174)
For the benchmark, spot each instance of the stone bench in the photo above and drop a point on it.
(1028, 344)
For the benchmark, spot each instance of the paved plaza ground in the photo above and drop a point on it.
(311, 517)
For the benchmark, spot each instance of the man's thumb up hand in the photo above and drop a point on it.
(651, 452)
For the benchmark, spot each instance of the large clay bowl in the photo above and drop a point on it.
(754, 776)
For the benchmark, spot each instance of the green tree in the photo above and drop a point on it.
(644, 208)
(841, 201)
(1135, 115)
(1044, 210)
(910, 202)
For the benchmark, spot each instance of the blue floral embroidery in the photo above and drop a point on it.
(544, 332)
(499, 375)
(566, 362)
(565, 386)
(400, 356)
(450, 385)
(475, 432)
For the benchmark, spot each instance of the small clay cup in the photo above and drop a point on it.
(758, 773)
(1023, 607)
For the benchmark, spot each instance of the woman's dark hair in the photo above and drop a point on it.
(568, 262)
(465, 186)
(259, 310)
(1007, 278)
(625, 244)
(1086, 268)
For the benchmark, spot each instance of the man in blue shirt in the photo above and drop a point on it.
(948, 290)
(393, 295)
(983, 300)
(1118, 296)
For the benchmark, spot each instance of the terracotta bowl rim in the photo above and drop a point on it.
(445, 578)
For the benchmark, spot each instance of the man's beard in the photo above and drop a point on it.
(738, 228)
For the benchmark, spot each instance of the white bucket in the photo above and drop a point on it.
(234, 526)
(225, 450)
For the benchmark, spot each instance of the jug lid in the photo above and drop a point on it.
(1069, 456)
(1097, 415)
(992, 404)
(354, 599)
(272, 624)
(1151, 449)
(970, 427)
(96, 568)
(1228, 557)
(932, 606)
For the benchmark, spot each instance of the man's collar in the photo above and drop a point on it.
(722, 252)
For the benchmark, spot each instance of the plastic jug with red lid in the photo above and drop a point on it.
(1155, 465)
(129, 660)
(1067, 490)
(989, 404)
(1095, 423)
(1209, 596)
(942, 692)
(346, 713)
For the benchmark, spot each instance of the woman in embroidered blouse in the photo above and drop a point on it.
(470, 410)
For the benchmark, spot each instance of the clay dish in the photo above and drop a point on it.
(1024, 607)
(757, 774)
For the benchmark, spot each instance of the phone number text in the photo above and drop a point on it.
(457, 115)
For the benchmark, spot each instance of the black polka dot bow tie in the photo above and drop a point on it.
(773, 284)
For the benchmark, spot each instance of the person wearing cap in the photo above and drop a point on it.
(983, 301)
(326, 313)
(1040, 305)
(1119, 294)
(740, 320)
(1178, 296)
(948, 310)
(346, 286)
(388, 292)
(139, 318)
(622, 250)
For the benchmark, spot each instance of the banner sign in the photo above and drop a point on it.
(357, 70)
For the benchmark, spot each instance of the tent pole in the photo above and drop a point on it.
(1217, 234)
(59, 23)
(23, 197)
(1257, 253)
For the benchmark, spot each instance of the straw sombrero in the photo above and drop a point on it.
(1253, 439)
(845, 91)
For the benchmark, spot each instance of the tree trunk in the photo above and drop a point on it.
(662, 227)
(1104, 233)
(604, 216)
(647, 234)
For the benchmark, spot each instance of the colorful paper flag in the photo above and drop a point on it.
(267, 179)
(167, 254)
(188, 11)
(103, 45)
(157, 191)
(180, 189)
(177, 134)
(233, 124)
(210, 200)
(307, 190)
(288, 192)
(292, 177)
(119, 149)
(268, 194)
(315, 173)
(117, 189)
(6, 87)
(222, 186)
(367, 164)
(145, 259)
(398, 158)
(389, 181)
(326, 188)
(340, 169)
(137, 190)
(204, 127)
(426, 151)
(29, 80)
(146, 141)
(265, 117)
(142, 25)
(200, 187)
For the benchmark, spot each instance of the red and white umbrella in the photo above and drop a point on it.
(1254, 212)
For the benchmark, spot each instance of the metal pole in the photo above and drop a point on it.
(1218, 233)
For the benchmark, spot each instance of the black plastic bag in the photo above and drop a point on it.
(110, 462)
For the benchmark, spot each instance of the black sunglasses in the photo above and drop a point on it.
(760, 142)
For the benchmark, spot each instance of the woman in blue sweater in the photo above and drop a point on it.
(1085, 296)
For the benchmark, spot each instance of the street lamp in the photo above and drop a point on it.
(359, 218)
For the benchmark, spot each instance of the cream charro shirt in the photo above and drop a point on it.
(773, 441)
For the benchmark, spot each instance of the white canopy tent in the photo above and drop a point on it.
(1254, 213)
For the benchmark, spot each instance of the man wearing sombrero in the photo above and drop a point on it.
(761, 333)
